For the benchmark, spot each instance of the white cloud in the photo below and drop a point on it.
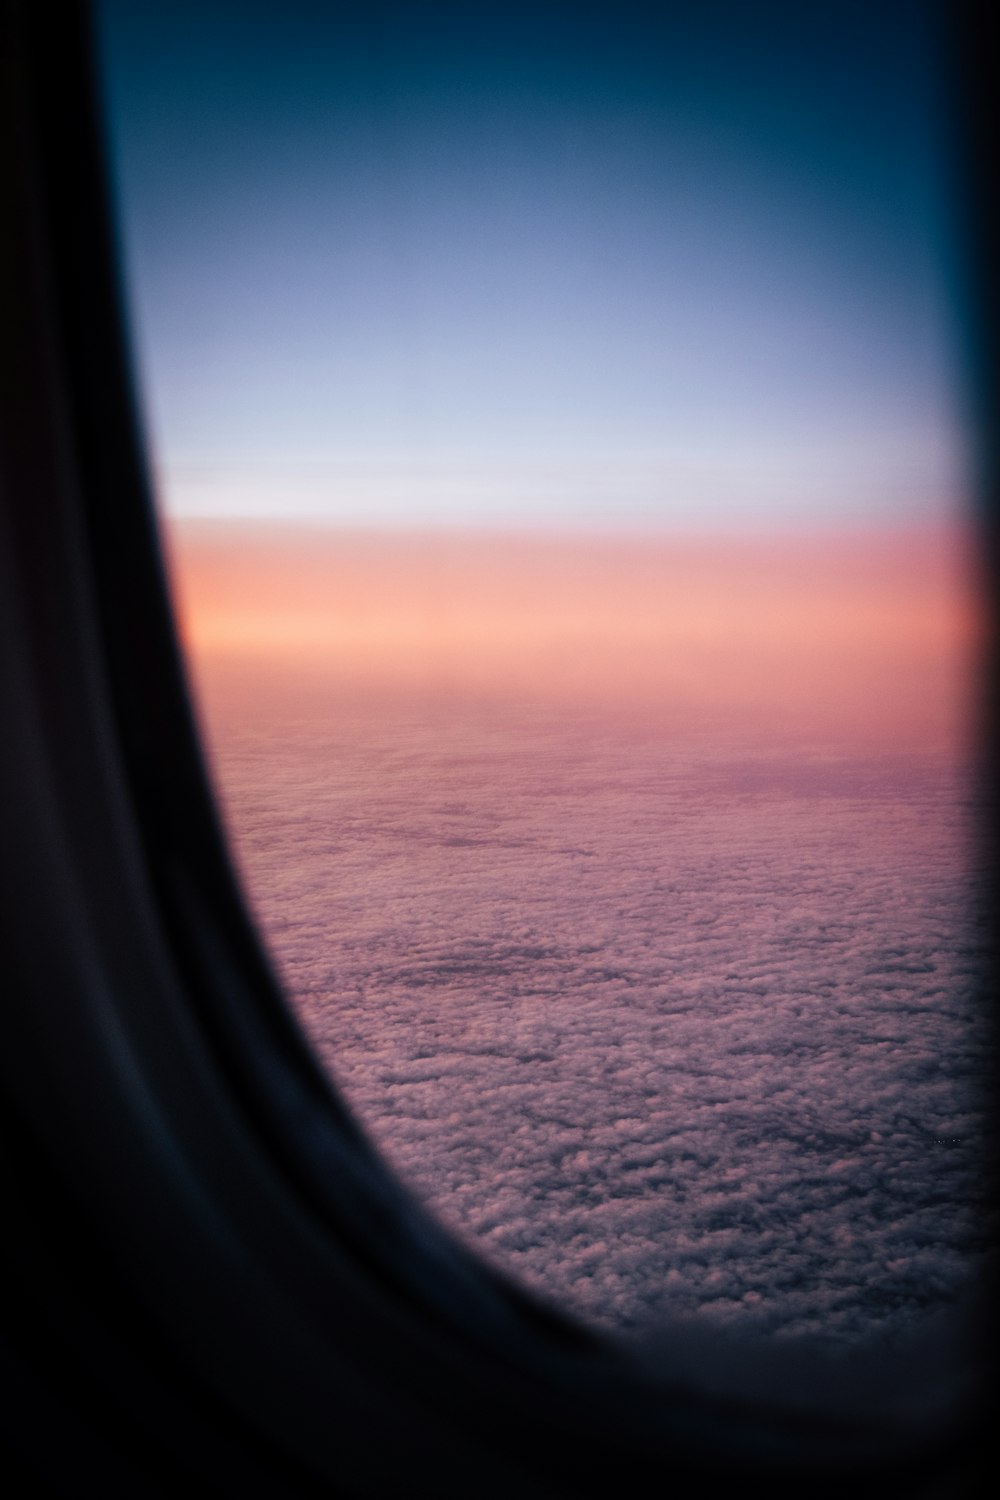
(727, 1064)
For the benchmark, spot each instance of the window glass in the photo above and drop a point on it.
(554, 412)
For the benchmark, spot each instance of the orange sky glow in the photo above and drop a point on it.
(864, 635)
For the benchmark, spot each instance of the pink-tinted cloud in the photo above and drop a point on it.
(664, 1026)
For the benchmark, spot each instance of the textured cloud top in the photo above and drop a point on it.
(658, 1033)
(668, 1005)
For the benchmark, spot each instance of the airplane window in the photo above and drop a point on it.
(559, 433)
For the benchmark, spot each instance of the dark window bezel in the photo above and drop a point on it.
(211, 1280)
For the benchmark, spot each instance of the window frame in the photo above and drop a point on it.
(210, 1277)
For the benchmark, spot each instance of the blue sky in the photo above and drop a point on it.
(569, 265)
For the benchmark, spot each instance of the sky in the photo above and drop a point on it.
(549, 266)
(860, 641)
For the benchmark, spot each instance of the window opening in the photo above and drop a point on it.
(559, 447)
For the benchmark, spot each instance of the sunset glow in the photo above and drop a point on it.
(859, 637)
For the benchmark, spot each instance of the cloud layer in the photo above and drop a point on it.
(659, 1025)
